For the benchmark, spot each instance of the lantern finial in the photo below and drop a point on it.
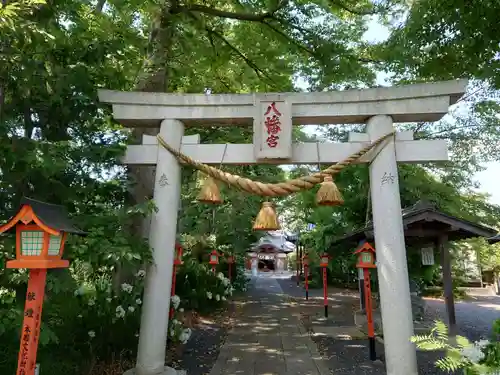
(267, 218)
(328, 193)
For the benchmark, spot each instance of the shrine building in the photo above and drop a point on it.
(270, 253)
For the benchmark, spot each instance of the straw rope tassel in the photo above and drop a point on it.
(267, 218)
(271, 190)
(209, 192)
(328, 193)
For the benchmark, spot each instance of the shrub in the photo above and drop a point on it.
(478, 358)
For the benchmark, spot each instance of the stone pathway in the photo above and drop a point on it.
(268, 337)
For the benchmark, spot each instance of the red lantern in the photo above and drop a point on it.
(324, 259)
(41, 230)
(214, 258)
(366, 256)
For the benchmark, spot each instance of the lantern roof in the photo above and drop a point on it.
(46, 215)
(365, 246)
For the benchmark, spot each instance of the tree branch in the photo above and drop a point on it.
(299, 45)
(212, 33)
(242, 16)
(358, 12)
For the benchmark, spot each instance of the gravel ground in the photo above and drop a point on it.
(350, 357)
(474, 316)
(200, 353)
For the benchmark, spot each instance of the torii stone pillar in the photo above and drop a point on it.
(392, 265)
(162, 233)
(378, 107)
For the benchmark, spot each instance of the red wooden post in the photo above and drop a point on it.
(369, 314)
(305, 262)
(298, 276)
(172, 289)
(230, 262)
(366, 260)
(324, 259)
(325, 292)
(31, 324)
(306, 274)
(177, 262)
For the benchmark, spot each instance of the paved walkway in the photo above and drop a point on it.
(268, 337)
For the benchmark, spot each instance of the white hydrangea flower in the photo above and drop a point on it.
(120, 312)
(482, 343)
(175, 301)
(217, 297)
(473, 353)
(140, 274)
(181, 309)
(226, 282)
(131, 309)
(209, 295)
(220, 276)
(185, 335)
(91, 334)
(79, 316)
(138, 301)
(175, 322)
(91, 302)
(108, 299)
(127, 288)
(223, 298)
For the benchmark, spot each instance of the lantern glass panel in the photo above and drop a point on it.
(366, 258)
(213, 258)
(324, 260)
(54, 245)
(31, 242)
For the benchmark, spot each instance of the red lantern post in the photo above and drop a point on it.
(366, 261)
(305, 262)
(325, 258)
(230, 262)
(41, 231)
(177, 262)
(214, 260)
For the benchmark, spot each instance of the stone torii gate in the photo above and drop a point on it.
(379, 108)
